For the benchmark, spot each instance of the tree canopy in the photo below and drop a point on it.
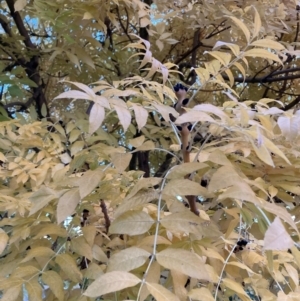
(149, 150)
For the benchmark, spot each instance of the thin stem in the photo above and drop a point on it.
(156, 232)
(221, 274)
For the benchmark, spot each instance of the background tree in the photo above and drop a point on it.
(94, 180)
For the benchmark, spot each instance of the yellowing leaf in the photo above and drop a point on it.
(89, 181)
(69, 266)
(153, 276)
(3, 240)
(34, 290)
(141, 115)
(183, 222)
(128, 259)
(242, 26)
(41, 198)
(81, 247)
(265, 54)
(12, 293)
(185, 187)
(54, 281)
(51, 229)
(121, 161)
(140, 198)
(219, 157)
(183, 261)
(181, 170)
(267, 43)
(74, 94)
(76, 147)
(111, 282)
(143, 183)
(293, 273)
(96, 118)
(20, 4)
(89, 234)
(67, 204)
(223, 57)
(201, 294)
(236, 287)
(257, 23)
(124, 116)
(276, 237)
(138, 141)
(193, 116)
(282, 213)
(234, 47)
(131, 223)
(148, 145)
(98, 254)
(220, 178)
(38, 252)
(160, 293)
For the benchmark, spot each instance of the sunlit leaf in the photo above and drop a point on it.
(276, 237)
(111, 282)
(67, 204)
(132, 223)
(128, 259)
(183, 261)
(160, 293)
(69, 266)
(54, 281)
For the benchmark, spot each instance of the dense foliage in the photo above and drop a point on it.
(101, 156)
